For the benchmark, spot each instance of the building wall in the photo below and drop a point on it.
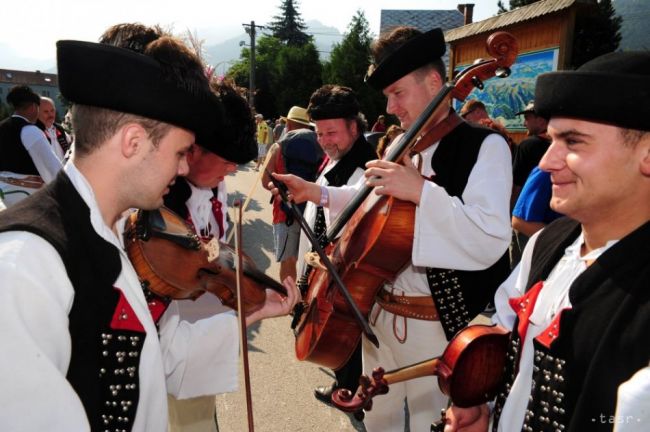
(548, 32)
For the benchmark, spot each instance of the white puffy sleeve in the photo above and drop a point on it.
(35, 299)
(472, 233)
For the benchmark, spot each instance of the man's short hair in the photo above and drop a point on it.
(21, 96)
(471, 106)
(179, 65)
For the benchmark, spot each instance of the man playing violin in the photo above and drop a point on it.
(88, 350)
(578, 304)
(200, 199)
(460, 185)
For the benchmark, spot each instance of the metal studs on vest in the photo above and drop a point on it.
(546, 406)
(118, 378)
(449, 300)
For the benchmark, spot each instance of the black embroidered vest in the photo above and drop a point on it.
(461, 295)
(60, 135)
(105, 359)
(14, 157)
(590, 349)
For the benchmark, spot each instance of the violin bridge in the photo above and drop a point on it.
(212, 247)
(313, 260)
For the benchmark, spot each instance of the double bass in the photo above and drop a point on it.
(377, 242)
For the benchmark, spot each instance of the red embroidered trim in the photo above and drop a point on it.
(548, 336)
(124, 318)
(156, 308)
(523, 307)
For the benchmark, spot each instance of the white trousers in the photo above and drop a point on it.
(403, 342)
(192, 415)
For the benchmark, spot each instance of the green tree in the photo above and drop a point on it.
(348, 65)
(285, 75)
(289, 26)
(297, 73)
(596, 33)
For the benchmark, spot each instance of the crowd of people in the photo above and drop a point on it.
(552, 234)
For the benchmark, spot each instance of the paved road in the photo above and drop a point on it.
(282, 386)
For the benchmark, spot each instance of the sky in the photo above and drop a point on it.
(30, 29)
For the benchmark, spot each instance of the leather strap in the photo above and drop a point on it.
(436, 133)
(417, 307)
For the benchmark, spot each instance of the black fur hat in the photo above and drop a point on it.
(123, 80)
(333, 101)
(414, 53)
(613, 88)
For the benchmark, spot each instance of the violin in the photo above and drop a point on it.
(174, 263)
(469, 371)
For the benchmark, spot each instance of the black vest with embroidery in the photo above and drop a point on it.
(14, 156)
(590, 349)
(104, 364)
(60, 135)
(460, 295)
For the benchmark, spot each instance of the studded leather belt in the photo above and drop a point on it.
(418, 307)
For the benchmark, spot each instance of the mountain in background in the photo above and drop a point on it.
(635, 14)
(221, 55)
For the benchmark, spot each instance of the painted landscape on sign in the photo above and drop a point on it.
(504, 97)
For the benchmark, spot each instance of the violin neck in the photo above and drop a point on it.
(265, 280)
(393, 155)
(425, 368)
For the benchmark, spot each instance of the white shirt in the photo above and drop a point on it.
(633, 407)
(54, 142)
(553, 297)
(471, 234)
(356, 180)
(35, 300)
(40, 150)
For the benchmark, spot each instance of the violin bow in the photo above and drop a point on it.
(247, 201)
(242, 317)
(283, 191)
